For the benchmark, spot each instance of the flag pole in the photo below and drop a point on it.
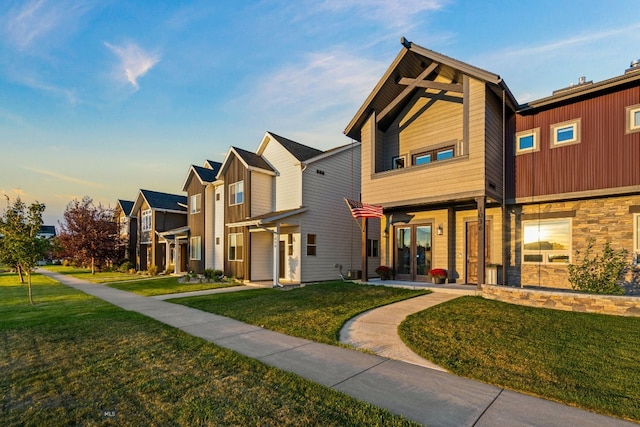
(365, 269)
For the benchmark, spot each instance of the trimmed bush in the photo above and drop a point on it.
(599, 274)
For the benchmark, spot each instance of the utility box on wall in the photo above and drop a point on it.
(354, 274)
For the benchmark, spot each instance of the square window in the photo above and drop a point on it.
(565, 133)
(633, 118)
(398, 162)
(546, 241)
(527, 141)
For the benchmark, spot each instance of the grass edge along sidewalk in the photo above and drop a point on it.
(73, 359)
(582, 359)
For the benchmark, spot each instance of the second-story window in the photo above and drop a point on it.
(633, 118)
(146, 220)
(528, 141)
(425, 157)
(195, 204)
(236, 193)
(565, 133)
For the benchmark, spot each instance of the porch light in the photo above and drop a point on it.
(440, 229)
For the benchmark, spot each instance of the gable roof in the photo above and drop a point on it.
(250, 160)
(210, 164)
(410, 63)
(300, 151)
(161, 201)
(204, 174)
(126, 206)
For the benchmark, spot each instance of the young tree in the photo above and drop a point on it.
(89, 234)
(20, 243)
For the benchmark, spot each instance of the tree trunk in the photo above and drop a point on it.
(93, 266)
(30, 293)
(19, 269)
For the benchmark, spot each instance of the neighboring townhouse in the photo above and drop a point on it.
(285, 216)
(128, 227)
(432, 134)
(162, 231)
(200, 185)
(575, 177)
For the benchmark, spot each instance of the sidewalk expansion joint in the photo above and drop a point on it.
(487, 408)
(359, 373)
(284, 350)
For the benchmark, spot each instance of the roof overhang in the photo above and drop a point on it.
(270, 219)
(174, 233)
(227, 161)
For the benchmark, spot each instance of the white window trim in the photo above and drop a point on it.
(195, 203)
(630, 111)
(232, 193)
(576, 124)
(195, 248)
(146, 220)
(536, 140)
(545, 253)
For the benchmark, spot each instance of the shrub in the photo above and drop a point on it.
(125, 266)
(152, 270)
(170, 269)
(599, 274)
(384, 272)
(438, 273)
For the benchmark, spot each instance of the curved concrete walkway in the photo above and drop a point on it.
(423, 395)
(377, 330)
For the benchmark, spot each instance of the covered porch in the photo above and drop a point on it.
(177, 248)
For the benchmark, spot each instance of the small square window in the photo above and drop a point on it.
(528, 141)
(565, 133)
(398, 162)
(633, 118)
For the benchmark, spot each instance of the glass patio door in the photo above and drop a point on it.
(413, 252)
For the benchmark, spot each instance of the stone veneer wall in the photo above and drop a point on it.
(604, 219)
(567, 301)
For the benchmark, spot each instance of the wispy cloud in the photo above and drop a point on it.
(134, 61)
(390, 13)
(29, 22)
(66, 177)
(321, 81)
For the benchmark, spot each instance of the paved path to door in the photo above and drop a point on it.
(377, 330)
(421, 394)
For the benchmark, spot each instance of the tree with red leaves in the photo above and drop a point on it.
(89, 234)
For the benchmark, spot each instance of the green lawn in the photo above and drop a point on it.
(316, 312)
(143, 285)
(70, 357)
(85, 274)
(587, 360)
(166, 285)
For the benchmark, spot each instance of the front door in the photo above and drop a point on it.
(413, 252)
(281, 259)
(472, 250)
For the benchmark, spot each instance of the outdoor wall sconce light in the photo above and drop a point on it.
(440, 230)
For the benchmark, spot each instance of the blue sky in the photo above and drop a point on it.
(102, 98)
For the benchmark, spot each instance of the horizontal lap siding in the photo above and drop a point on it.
(219, 239)
(261, 193)
(439, 181)
(605, 157)
(287, 180)
(338, 235)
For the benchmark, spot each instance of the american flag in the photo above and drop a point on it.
(363, 210)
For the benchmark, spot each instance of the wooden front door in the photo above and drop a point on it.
(281, 259)
(472, 250)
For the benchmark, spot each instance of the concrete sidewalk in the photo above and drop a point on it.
(421, 394)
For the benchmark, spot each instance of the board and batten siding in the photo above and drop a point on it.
(494, 146)
(288, 176)
(218, 233)
(458, 178)
(325, 183)
(235, 172)
(197, 222)
(208, 239)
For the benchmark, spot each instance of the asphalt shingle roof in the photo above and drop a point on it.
(299, 151)
(252, 159)
(206, 174)
(126, 206)
(158, 200)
